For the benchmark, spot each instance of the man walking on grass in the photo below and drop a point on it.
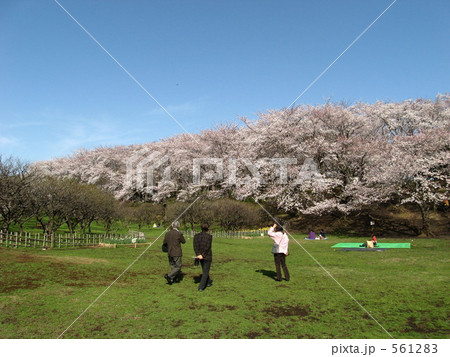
(203, 252)
(174, 238)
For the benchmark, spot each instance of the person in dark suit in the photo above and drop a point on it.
(203, 252)
(174, 238)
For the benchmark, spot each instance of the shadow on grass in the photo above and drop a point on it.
(268, 273)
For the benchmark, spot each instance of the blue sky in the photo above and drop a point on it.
(207, 62)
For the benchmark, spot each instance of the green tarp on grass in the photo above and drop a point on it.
(379, 245)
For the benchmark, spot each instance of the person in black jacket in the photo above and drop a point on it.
(203, 252)
(174, 238)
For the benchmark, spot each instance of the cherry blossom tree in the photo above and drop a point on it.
(307, 159)
(417, 171)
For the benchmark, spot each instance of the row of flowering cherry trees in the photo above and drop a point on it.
(307, 159)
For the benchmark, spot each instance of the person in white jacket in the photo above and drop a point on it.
(280, 250)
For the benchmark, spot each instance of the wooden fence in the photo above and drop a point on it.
(65, 240)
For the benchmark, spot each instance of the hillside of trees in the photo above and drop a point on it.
(341, 162)
(64, 203)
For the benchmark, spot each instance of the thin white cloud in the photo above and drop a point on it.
(29, 124)
(7, 141)
(79, 132)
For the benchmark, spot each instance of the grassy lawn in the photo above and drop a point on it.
(96, 228)
(405, 290)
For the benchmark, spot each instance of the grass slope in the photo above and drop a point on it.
(405, 290)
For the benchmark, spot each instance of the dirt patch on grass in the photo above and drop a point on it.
(12, 256)
(214, 308)
(16, 284)
(421, 325)
(253, 334)
(293, 310)
(73, 260)
(98, 328)
(282, 287)
(230, 307)
(21, 257)
(10, 320)
(177, 323)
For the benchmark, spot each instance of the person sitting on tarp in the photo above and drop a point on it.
(312, 234)
(370, 243)
(374, 240)
(322, 234)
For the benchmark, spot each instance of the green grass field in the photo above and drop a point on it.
(96, 228)
(405, 290)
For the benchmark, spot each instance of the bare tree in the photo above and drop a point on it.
(145, 214)
(16, 178)
(50, 196)
(234, 215)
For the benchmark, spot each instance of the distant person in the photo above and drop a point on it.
(174, 238)
(322, 234)
(312, 234)
(370, 243)
(203, 252)
(280, 250)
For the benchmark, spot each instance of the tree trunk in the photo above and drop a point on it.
(5, 227)
(426, 227)
(71, 226)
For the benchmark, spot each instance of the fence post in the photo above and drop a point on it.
(15, 238)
